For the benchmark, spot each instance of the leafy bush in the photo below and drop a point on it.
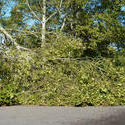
(58, 75)
(8, 95)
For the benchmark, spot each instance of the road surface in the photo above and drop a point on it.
(38, 115)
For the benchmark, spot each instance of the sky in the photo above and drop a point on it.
(123, 8)
(7, 8)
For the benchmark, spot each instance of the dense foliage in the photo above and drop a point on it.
(52, 77)
(82, 62)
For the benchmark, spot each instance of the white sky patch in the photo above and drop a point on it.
(123, 8)
(6, 10)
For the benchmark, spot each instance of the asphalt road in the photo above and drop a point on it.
(35, 115)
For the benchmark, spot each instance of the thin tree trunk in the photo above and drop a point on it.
(63, 24)
(44, 23)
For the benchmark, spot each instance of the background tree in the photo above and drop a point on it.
(98, 25)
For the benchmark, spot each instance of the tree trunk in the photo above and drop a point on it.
(44, 23)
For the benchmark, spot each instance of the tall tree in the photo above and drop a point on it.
(39, 12)
(98, 24)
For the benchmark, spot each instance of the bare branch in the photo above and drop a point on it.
(60, 6)
(51, 16)
(62, 27)
(61, 1)
(32, 11)
(29, 32)
(58, 10)
(39, 3)
(11, 39)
